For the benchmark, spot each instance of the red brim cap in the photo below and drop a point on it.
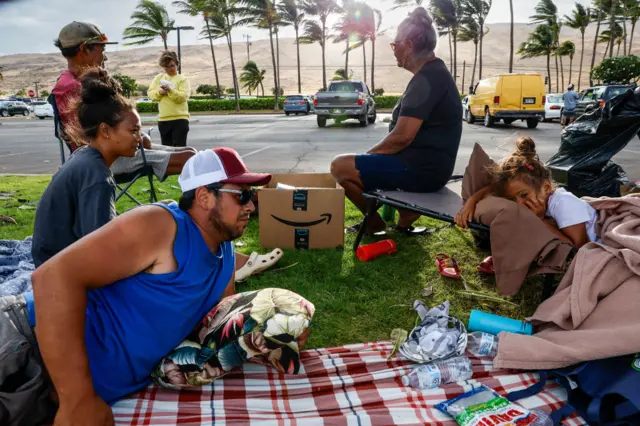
(253, 179)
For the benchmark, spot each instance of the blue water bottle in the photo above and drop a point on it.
(494, 324)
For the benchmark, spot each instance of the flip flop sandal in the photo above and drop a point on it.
(487, 266)
(447, 266)
(353, 229)
(412, 231)
(258, 263)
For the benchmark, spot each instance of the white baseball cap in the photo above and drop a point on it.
(218, 165)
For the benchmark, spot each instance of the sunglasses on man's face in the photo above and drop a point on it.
(246, 195)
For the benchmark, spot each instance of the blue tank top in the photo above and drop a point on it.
(133, 323)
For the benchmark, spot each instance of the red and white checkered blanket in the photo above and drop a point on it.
(348, 385)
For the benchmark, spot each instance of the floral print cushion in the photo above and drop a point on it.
(262, 325)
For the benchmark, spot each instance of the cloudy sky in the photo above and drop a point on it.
(30, 26)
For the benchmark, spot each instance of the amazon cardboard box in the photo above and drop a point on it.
(309, 216)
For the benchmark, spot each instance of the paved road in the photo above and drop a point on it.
(280, 144)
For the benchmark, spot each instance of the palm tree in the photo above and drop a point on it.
(263, 15)
(195, 8)
(567, 48)
(150, 21)
(579, 20)
(221, 23)
(447, 15)
(377, 23)
(599, 6)
(252, 77)
(478, 10)
(541, 42)
(610, 39)
(510, 38)
(318, 32)
(547, 13)
(342, 34)
(634, 15)
(469, 31)
(291, 14)
(340, 75)
(612, 24)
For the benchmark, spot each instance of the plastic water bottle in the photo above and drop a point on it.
(441, 372)
(480, 343)
(542, 418)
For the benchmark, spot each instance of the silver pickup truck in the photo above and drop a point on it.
(344, 100)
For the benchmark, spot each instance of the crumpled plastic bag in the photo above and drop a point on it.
(438, 336)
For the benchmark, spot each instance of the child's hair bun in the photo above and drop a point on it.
(526, 147)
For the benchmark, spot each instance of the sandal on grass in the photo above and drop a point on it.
(412, 230)
(486, 266)
(447, 266)
(353, 229)
(258, 263)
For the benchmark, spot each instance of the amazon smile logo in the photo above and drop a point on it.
(324, 216)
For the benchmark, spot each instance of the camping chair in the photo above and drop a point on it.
(441, 205)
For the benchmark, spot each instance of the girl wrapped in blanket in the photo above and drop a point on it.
(523, 178)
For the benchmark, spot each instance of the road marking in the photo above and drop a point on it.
(257, 151)
(19, 153)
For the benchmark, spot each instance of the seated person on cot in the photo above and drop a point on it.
(82, 45)
(523, 178)
(146, 279)
(419, 153)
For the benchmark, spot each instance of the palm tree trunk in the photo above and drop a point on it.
(549, 72)
(511, 39)
(633, 28)
(236, 86)
(275, 69)
(595, 45)
(450, 55)
(262, 87)
(164, 40)
(612, 24)
(481, 22)
(557, 74)
(346, 59)
(570, 67)
(324, 42)
(364, 59)
(618, 51)
(606, 51)
(213, 56)
(277, 53)
(298, 56)
(561, 73)
(373, 60)
(475, 61)
(624, 34)
(455, 57)
(581, 58)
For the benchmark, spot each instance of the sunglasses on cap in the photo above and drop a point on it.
(246, 195)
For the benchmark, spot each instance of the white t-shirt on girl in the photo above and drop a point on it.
(568, 210)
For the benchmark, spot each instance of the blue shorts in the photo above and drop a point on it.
(570, 113)
(390, 173)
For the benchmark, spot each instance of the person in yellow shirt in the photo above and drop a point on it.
(172, 91)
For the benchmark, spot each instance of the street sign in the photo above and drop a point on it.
(32, 94)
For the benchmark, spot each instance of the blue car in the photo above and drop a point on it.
(297, 104)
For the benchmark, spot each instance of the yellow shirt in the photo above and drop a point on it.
(173, 105)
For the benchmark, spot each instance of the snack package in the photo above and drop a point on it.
(482, 406)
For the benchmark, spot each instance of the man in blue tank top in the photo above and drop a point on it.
(146, 279)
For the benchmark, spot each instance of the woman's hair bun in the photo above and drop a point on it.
(526, 147)
(421, 16)
(98, 86)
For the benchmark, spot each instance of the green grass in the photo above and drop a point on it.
(355, 301)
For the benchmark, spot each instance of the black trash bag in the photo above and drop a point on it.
(582, 163)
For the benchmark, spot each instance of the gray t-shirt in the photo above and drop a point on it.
(432, 96)
(570, 98)
(79, 200)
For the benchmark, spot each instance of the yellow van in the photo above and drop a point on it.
(508, 97)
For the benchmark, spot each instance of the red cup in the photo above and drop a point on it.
(371, 251)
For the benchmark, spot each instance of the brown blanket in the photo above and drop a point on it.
(521, 244)
(595, 312)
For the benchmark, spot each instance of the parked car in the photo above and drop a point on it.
(465, 107)
(594, 97)
(297, 104)
(144, 100)
(43, 110)
(508, 97)
(553, 107)
(344, 100)
(12, 108)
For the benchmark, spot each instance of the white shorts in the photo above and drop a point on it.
(157, 157)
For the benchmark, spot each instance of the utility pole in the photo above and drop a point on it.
(186, 28)
(248, 38)
(464, 69)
